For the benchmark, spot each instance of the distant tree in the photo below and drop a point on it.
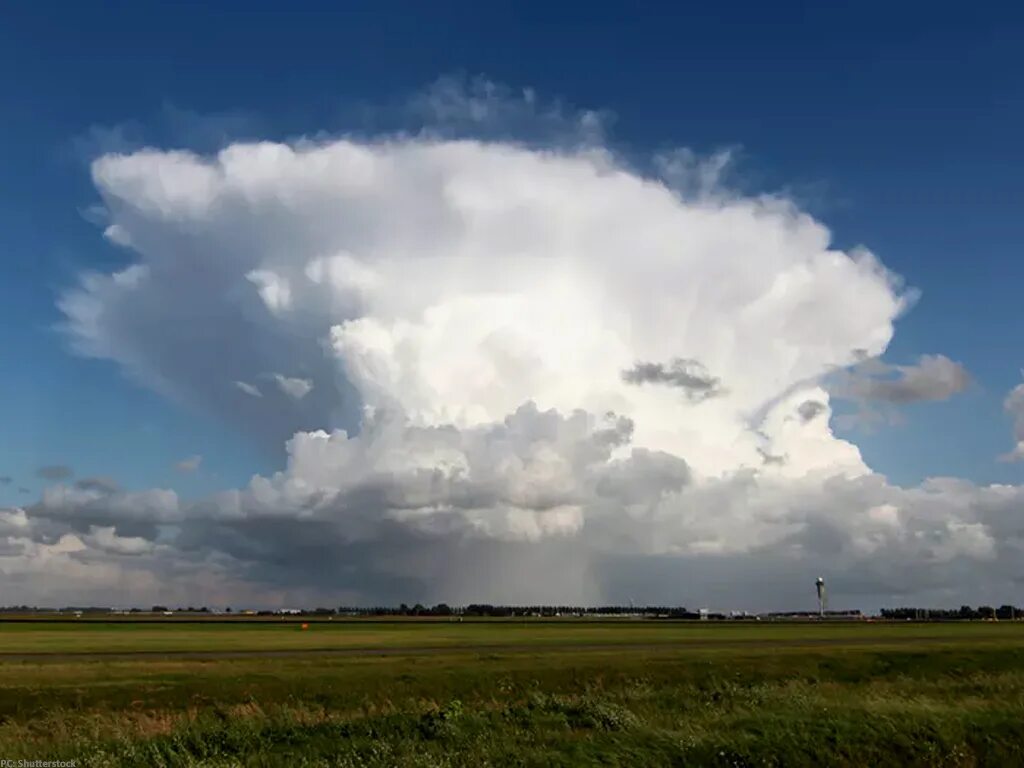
(159, 608)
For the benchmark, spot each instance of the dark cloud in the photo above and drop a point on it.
(6, 479)
(690, 376)
(99, 484)
(23, 489)
(55, 472)
(809, 409)
(540, 506)
(931, 378)
(644, 475)
(483, 525)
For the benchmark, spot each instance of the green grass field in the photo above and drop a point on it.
(172, 636)
(533, 693)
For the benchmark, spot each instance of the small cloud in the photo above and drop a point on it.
(690, 376)
(118, 235)
(55, 472)
(99, 484)
(23, 489)
(191, 464)
(294, 388)
(6, 479)
(809, 409)
(275, 290)
(249, 389)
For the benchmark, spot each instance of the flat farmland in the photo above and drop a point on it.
(534, 692)
(177, 637)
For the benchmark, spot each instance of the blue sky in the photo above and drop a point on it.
(899, 128)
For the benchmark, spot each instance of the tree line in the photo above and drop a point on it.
(506, 611)
(964, 612)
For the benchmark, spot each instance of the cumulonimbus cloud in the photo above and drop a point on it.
(499, 395)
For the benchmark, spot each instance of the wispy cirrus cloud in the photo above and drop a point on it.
(248, 389)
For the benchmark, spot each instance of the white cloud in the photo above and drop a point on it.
(438, 270)
(293, 387)
(117, 235)
(107, 540)
(529, 373)
(273, 289)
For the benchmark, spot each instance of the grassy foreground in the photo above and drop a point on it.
(864, 696)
